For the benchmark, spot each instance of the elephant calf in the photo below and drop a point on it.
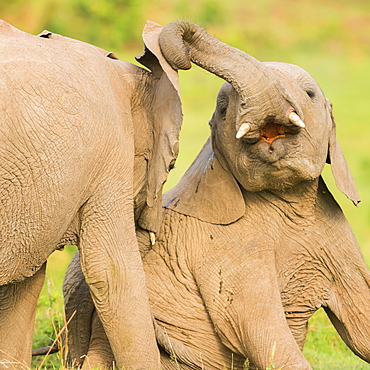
(86, 143)
(252, 243)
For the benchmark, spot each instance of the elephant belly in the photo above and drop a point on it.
(23, 250)
(180, 312)
(35, 213)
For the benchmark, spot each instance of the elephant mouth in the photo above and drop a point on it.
(272, 130)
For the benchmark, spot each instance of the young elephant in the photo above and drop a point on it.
(86, 143)
(252, 243)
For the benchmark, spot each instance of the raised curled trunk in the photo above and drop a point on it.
(183, 42)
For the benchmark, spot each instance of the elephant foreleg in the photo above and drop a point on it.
(252, 321)
(17, 317)
(112, 266)
(349, 311)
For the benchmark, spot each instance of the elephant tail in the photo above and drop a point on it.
(45, 350)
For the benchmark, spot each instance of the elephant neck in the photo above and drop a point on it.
(304, 192)
(298, 202)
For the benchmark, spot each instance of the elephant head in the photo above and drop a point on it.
(157, 124)
(272, 127)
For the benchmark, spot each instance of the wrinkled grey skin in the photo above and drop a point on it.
(252, 243)
(86, 143)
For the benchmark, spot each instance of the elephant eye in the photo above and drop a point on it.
(310, 93)
(223, 111)
(222, 104)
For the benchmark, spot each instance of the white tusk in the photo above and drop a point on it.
(152, 238)
(243, 129)
(294, 118)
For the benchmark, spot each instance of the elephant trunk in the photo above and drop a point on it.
(183, 42)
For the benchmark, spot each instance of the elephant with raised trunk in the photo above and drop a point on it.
(86, 143)
(252, 243)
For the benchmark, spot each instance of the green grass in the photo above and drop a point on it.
(324, 349)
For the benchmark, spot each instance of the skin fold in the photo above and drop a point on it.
(86, 143)
(251, 243)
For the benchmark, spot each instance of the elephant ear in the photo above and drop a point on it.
(166, 117)
(342, 176)
(207, 191)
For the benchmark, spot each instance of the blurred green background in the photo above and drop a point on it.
(330, 39)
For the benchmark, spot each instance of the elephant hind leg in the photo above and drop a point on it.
(99, 355)
(79, 309)
(17, 317)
